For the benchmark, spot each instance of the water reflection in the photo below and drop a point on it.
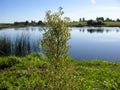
(19, 46)
(95, 30)
(28, 28)
(99, 30)
(5, 46)
(86, 42)
(95, 43)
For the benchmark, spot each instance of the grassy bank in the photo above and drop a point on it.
(106, 24)
(5, 26)
(11, 26)
(78, 24)
(2, 26)
(112, 24)
(37, 72)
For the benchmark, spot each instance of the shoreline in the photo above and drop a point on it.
(72, 24)
(38, 26)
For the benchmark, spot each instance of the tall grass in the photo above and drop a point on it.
(5, 46)
(19, 46)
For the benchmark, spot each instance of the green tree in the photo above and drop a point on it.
(33, 22)
(83, 19)
(118, 20)
(95, 23)
(26, 22)
(54, 41)
(90, 22)
(80, 20)
(100, 22)
(40, 22)
(108, 20)
(100, 18)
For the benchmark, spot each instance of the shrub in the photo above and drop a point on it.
(8, 62)
(54, 42)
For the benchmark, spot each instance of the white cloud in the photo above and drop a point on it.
(93, 1)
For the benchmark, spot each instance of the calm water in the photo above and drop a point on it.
(86, 42)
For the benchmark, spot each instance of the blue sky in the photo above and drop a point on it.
(22, 10)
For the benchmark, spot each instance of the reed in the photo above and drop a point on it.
(20, 46)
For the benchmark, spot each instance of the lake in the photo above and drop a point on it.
(85, 42)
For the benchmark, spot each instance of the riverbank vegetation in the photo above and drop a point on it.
(95, 24)
(37, 72)
(71, 24)
(21, 24)
(100, 21)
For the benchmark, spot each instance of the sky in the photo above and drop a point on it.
(22, 10)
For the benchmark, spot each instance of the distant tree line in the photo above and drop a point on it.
(100, 18)
(82, 20)
(98, 22)
(27, 23)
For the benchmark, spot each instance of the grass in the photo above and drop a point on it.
(112, 24)
(78, 24)
(107, 24)
(35, 72)
(7, 25)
